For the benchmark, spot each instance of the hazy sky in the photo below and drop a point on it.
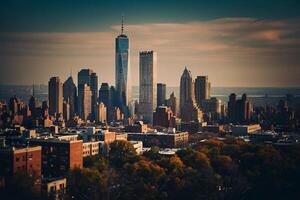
(235, 43)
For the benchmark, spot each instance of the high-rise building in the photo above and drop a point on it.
(189, 111)
(239, 110)
(101, 112)
(172, 102)
(89, 78)
(212, 108)
(161, 94)
(148, 67)
(32, 104)
(86, 112)
(67, 110)
(70, 95)
(122, 71)
(55, 92)
(202, 89)
(104, 94)
(94, 88)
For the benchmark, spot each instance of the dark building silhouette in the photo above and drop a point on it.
(55, 93)
(32, 104)
(94, 88)
(202, 89)
(87, 80)
(105, 98)
(161, 94)
(239, 110)
(189, 111)
(70, 95)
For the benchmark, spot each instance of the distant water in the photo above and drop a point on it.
(258, 95)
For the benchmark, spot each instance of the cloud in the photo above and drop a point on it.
(225, 49)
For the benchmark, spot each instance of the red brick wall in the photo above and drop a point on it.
(76, 157)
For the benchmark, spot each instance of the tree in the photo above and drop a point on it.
(122, 152)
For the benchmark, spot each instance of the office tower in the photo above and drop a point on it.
(148, 67)
(189, 111)
(101, 113)
(85, 109)
(202, 89)
(122, 71)
(162, 116)
(239, 111)
(104, 94)
(172, 102)
(55, 92)
(161, 94)
(212, 108)
(94, 88)
(231, 107)
(89, 78)
(70, 95)
(67, 110)
(32, 104)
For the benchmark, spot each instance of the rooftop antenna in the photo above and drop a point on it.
(122, 27)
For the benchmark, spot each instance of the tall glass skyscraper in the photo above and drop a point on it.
(148, 68)
(122, 72)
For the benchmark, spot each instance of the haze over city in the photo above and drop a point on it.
(249, 43)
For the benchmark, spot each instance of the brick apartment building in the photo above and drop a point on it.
(59, 156)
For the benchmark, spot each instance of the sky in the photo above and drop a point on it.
(247, 43)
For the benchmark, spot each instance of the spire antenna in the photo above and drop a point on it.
(122, 27)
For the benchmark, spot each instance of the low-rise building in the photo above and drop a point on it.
(16, 159)
(245, 129)
(54, 188)
(138, 146)
(90, 148)
(138, 127)
(160, 139)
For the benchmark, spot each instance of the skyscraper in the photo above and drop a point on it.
(55, 93)
(88, 77)
(85, 109)
(148, 67)
(239, 110)
(189, 111)
(172, 102)
(122, 71)
(32, 103)
(70, 95)
(104, 94)
(202, 89)
(105, 98)
(161, 94)
(94, 88)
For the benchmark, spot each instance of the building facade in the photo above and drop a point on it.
(122, 72)
(148, 67)
(70, 94)
(161, 94)
(55, 95)
(189, 111)
(202, 89)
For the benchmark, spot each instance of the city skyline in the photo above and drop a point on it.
(233, 49)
